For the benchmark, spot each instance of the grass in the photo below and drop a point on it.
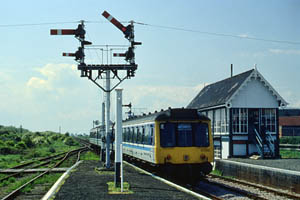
(217, 172)
(117, 190)
(12, 184)
(289, 154)
(48, 179)
(89, 156)
(11, 160)
(7, 161)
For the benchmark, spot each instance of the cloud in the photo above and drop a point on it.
(57, 96)
(244, 35)
(151, 98)
(285, 51)
(38, 83)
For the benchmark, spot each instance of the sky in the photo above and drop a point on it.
(185, 45)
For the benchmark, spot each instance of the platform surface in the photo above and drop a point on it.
(288, 164)
(85, 183)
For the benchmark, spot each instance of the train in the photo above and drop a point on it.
(177, 140)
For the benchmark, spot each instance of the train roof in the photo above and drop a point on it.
(170, 114)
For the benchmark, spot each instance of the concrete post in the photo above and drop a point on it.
(118, 137)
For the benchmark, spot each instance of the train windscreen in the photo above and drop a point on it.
(184, 134)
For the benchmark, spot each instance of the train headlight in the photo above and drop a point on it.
(169, 157)
(203, 157)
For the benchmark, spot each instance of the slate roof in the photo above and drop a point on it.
(220, 92)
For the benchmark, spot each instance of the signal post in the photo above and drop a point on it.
(102, 71)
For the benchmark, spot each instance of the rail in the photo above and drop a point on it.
(14, 193)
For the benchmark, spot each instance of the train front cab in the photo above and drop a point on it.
(189, 150)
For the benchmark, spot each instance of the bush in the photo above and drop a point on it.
(290, 140)
(52, 150)
(8, 150)
(69, 141)
(21, 145)
(10, 143)
(38, 140)
(54, 137)
(28, 141)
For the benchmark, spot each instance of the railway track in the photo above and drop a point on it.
(220, 188)
(252, 191)
(30, 165)
(17, 192)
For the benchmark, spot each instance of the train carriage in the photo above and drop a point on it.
(175, 139)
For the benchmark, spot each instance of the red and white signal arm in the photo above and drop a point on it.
(62, 32)
(69, 54)
(114, 21)
(119, 54)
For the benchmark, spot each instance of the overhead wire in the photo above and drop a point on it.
(36, 24)
(219, 34)
(162, 27)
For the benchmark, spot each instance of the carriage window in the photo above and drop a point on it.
(151, 140)
(139, 135)
(185, 135)
(124, 134)
(132, 129)
(167, 135)
(143, 135)
(201, 135)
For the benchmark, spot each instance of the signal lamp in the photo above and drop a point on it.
(129, 54)
(80, 32)
(202, 157)
(79, 54)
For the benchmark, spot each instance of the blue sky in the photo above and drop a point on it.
(41, 90)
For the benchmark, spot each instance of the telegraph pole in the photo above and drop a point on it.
(103, 70)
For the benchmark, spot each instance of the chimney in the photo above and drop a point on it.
(231, 70)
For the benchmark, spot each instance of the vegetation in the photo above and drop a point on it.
(117, 190)
(217, 172)
(290, 153)
(18, 144)
(48, 179)
(290, 140)
(89, 156)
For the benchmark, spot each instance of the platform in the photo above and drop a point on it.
(86, 183)
(275, 173)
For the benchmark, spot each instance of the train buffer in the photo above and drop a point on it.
(86, 182)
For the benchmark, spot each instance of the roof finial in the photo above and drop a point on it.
(255, 66)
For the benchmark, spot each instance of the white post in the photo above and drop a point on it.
(122, 178)
(107, 124)
(102, 130)
(118, 137)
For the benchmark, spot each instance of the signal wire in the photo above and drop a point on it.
(219, 34)
(37, 24)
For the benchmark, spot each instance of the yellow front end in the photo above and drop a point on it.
(182, 155)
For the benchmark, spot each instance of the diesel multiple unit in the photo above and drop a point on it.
(178, 140)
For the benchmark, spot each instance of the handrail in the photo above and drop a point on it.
(258, 135)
